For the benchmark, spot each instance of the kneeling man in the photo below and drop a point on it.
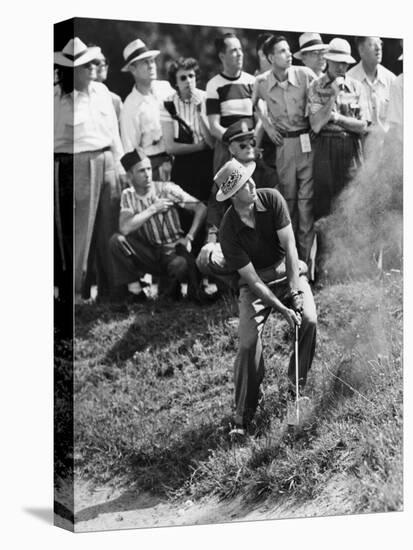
(150, 229)
(256, 238)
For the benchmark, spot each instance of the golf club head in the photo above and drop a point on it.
(299, 412)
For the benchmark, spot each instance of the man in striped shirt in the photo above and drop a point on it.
(150, 228)
(229, 94)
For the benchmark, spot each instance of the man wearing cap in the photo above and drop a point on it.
(256, 238)
(87, 156)
(228, 93)
(140, 123)
(337, 111)
(376, 81)
(150, 229)
(311, 52)
(284, 89)
(241, 143)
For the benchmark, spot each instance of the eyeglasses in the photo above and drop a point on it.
(101, 63)
(90, 65)
(246, 143)
(185, 77)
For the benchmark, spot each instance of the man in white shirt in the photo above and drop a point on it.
(140, 123)
(376, 80)
(87, 152)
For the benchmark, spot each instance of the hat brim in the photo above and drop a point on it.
(340, 58)
(145, 55)
(249, 170)
(92, 53)
(315, 48)
(250, 133)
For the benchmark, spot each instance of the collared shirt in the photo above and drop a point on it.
(163, 227)
(261, 246)
(140, 124)
(351, 100)
(188, 111)
(86, 121)
(395, 110)
(377, 92)
(286, 101)
(231, 98)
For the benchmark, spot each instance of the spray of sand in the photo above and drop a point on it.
(364, 232)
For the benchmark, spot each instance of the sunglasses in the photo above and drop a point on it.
(185, 77)
(90, 65)
(246, 143)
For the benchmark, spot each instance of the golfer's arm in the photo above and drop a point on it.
(287, 241)
(259, 288)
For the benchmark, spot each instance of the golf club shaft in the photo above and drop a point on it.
(296, 374)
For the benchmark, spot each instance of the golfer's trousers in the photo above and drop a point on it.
(249, 362)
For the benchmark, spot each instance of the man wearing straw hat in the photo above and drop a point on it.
(311, 52)
(140, 121)
(87, 156)
(256, 237)
(337, 107)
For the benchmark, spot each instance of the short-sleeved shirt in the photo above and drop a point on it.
(351, 101)
(188, 111)
(395, 110)
(231, 98)
(163, 227)
(86, 121)
(377, 92)
(140, 122)
(261, 246)
(286, 101)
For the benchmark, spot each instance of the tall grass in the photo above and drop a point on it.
(154, 398)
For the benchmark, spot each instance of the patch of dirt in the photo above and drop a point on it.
(108, 509)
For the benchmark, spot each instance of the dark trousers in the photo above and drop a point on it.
(132, 258)
(249, 362)
(336, 160)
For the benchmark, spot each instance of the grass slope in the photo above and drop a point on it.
(153, 402)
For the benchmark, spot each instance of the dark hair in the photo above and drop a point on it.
(262, 38)
(65, 79)
(183, 63)
(271, 42)
(220, 45)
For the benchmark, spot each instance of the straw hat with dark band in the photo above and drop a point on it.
(135, 51)
(76, 53)
(309, 42)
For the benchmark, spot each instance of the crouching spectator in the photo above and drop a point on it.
(151, 239)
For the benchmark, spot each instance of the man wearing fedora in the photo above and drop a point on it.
(256, 238)
(337, 111)
(284, 89)
(311, 52)
(140, 121)
(87, 152)
(151, 239)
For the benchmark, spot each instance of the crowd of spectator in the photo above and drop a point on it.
(142, 176)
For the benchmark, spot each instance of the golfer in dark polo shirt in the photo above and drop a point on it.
(256, 238)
